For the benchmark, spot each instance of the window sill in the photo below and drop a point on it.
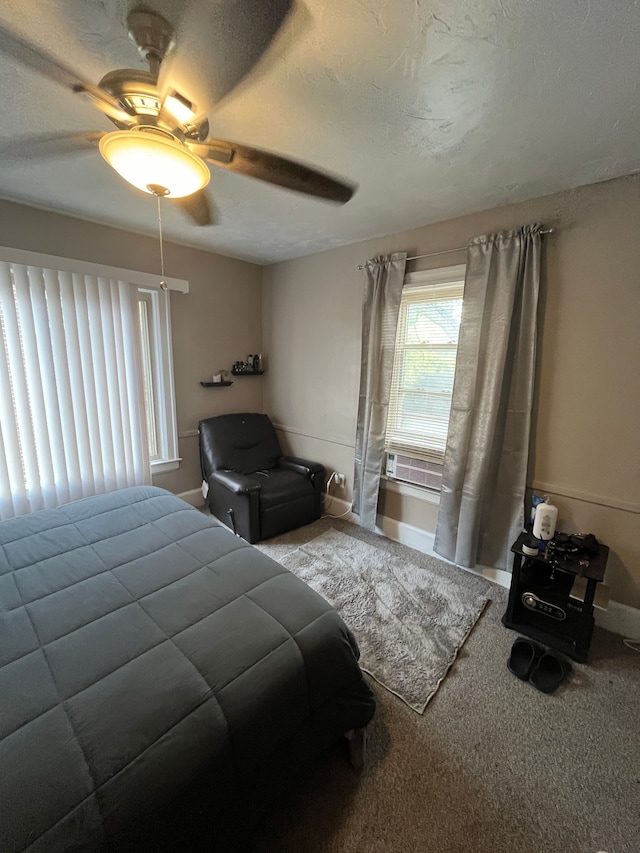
(163, 465)
(420, 493)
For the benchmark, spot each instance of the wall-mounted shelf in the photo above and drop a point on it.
(248, 373)
(216, 384)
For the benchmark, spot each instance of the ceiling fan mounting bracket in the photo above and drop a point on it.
(136, 90)
(153, 35)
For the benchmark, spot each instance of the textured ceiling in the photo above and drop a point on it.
(435, 108)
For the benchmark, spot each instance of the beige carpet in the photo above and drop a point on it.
(409, 621)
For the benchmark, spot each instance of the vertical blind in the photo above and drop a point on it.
(72, 417)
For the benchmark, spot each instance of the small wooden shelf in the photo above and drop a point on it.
(249, 373)
(216, 384)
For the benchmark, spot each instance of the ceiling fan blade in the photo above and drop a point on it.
(50, 144)
(255, 163)
(218, 44)
(197, 207)
(43, 63)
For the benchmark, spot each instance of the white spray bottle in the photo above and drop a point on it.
(544, 522)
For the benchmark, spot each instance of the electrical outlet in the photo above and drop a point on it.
(339, 478)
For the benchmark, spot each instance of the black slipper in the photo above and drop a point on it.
(523, 658)
(550, 671)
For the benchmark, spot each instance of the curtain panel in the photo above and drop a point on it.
(72, 418)
(384, 277)
(485, 466)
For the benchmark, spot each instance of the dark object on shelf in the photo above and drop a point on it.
(549, 673)
(253, 487)
(216, 384)
(251, 367)
(530, 545)
(563, 545)
(551, 596)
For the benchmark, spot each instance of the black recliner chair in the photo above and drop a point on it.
(253, 488)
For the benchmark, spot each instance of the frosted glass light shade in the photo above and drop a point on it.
(149, 157)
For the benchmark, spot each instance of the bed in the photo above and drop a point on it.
(144, 651)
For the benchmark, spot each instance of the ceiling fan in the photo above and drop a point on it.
(161, 144)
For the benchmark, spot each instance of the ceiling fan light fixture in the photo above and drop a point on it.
(180, 107)
(153, 158)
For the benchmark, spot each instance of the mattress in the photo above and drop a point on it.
(143, 646)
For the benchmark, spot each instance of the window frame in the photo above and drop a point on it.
(436, 278)
(161, 368)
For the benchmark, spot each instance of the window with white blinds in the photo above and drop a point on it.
(424, 363)
(73, 390)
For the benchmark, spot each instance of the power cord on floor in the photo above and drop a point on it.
(328, 495)
(632, 644)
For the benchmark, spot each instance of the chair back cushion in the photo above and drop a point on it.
(244, 442)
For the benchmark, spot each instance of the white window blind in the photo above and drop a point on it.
(72, 414)
(424, 364)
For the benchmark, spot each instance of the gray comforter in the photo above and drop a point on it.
(140, 644)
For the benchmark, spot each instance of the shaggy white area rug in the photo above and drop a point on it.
(409, 622)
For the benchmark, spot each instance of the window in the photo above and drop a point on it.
(86, 380)
(157, 378)
(423, 373)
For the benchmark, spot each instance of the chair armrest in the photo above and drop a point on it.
(239, 484)
(301, 466)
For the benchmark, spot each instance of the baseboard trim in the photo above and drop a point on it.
(338, 508)
(422, 540)
(617, 618)
(193, 497)
(620, 619)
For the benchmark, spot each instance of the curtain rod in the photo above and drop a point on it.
(458, 249)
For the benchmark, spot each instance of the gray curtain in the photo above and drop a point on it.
(485, 466)
(384, 277)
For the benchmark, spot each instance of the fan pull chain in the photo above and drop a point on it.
(163, 283)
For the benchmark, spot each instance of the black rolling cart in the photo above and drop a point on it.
(551, 595)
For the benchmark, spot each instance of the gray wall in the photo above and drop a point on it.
(585, 448)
